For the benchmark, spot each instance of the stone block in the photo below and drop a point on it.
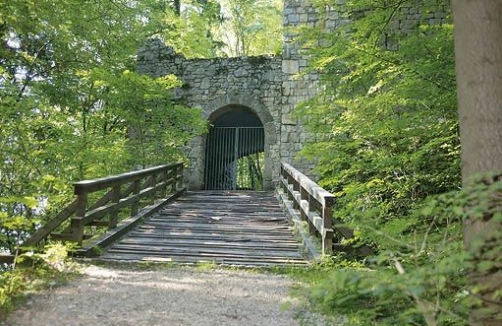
(293, 19)
(205, 84)
(290, 67)
(289, 119)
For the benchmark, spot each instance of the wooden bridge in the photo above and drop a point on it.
(148, 215)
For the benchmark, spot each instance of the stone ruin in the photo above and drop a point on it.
(264, 87)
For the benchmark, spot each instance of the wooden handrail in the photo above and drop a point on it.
(314, 203)
(108, 182)
(124, 190)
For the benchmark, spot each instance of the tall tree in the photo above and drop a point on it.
(193, 29)
(252, 27)
(478, 52)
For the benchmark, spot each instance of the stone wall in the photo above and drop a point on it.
(217, 85)
(271, 87)
(298, 84)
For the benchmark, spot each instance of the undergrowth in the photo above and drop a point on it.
(32, 273)
(421, 281)
(389, 151)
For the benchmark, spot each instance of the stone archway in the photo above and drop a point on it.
(223, 108)
(218, 85)
(234, 150)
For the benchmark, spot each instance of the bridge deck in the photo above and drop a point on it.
(230, 228)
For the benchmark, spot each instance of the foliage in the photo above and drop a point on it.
(390, 153)
(194, 31)
(421, 284)
(482, 200)
(392, 120)
(216, 28)
(252, 27)
(72, 107)
(34, 272)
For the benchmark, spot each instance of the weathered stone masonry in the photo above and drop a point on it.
(271, 87)
(216, 86)
(266, 85)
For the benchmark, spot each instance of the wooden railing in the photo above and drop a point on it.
(314, 203)
(122, 191)
(315, 206)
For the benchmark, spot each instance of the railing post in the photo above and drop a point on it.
(179, 177)
(312, 205)
(77, 223)
(165, 177)
(153, 183)
(304, 195)
(296, 187)
(112, 223)
(173, 180)
(327, 221)
(283, 178)
(135, 190)
(290, 182)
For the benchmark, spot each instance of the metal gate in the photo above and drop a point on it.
(234, 158)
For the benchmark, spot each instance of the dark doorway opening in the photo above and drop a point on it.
(235, 152)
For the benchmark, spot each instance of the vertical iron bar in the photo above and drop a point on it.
(247, 144)
(236, 157)
(222, 165)
(220, 141)
(216, 158)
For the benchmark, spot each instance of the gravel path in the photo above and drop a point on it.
(175, 296)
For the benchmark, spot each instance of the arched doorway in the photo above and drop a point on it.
(235, 145)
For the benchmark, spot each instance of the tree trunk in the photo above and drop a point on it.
(177, 7)
(478, 53)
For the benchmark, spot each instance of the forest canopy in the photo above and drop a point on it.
(73, 107)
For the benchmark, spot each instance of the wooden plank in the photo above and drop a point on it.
(119, 253)
(231, 242)
(205, 236)
(209, 243)
(258, 221)
(97, 223)
(226, 227)
(198, 260)
(208, 225)
(68, 236)
(203, 253)
(220, 261)
(126, 225)
(215, 226)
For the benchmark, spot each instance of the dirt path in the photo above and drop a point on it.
(176, 296)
